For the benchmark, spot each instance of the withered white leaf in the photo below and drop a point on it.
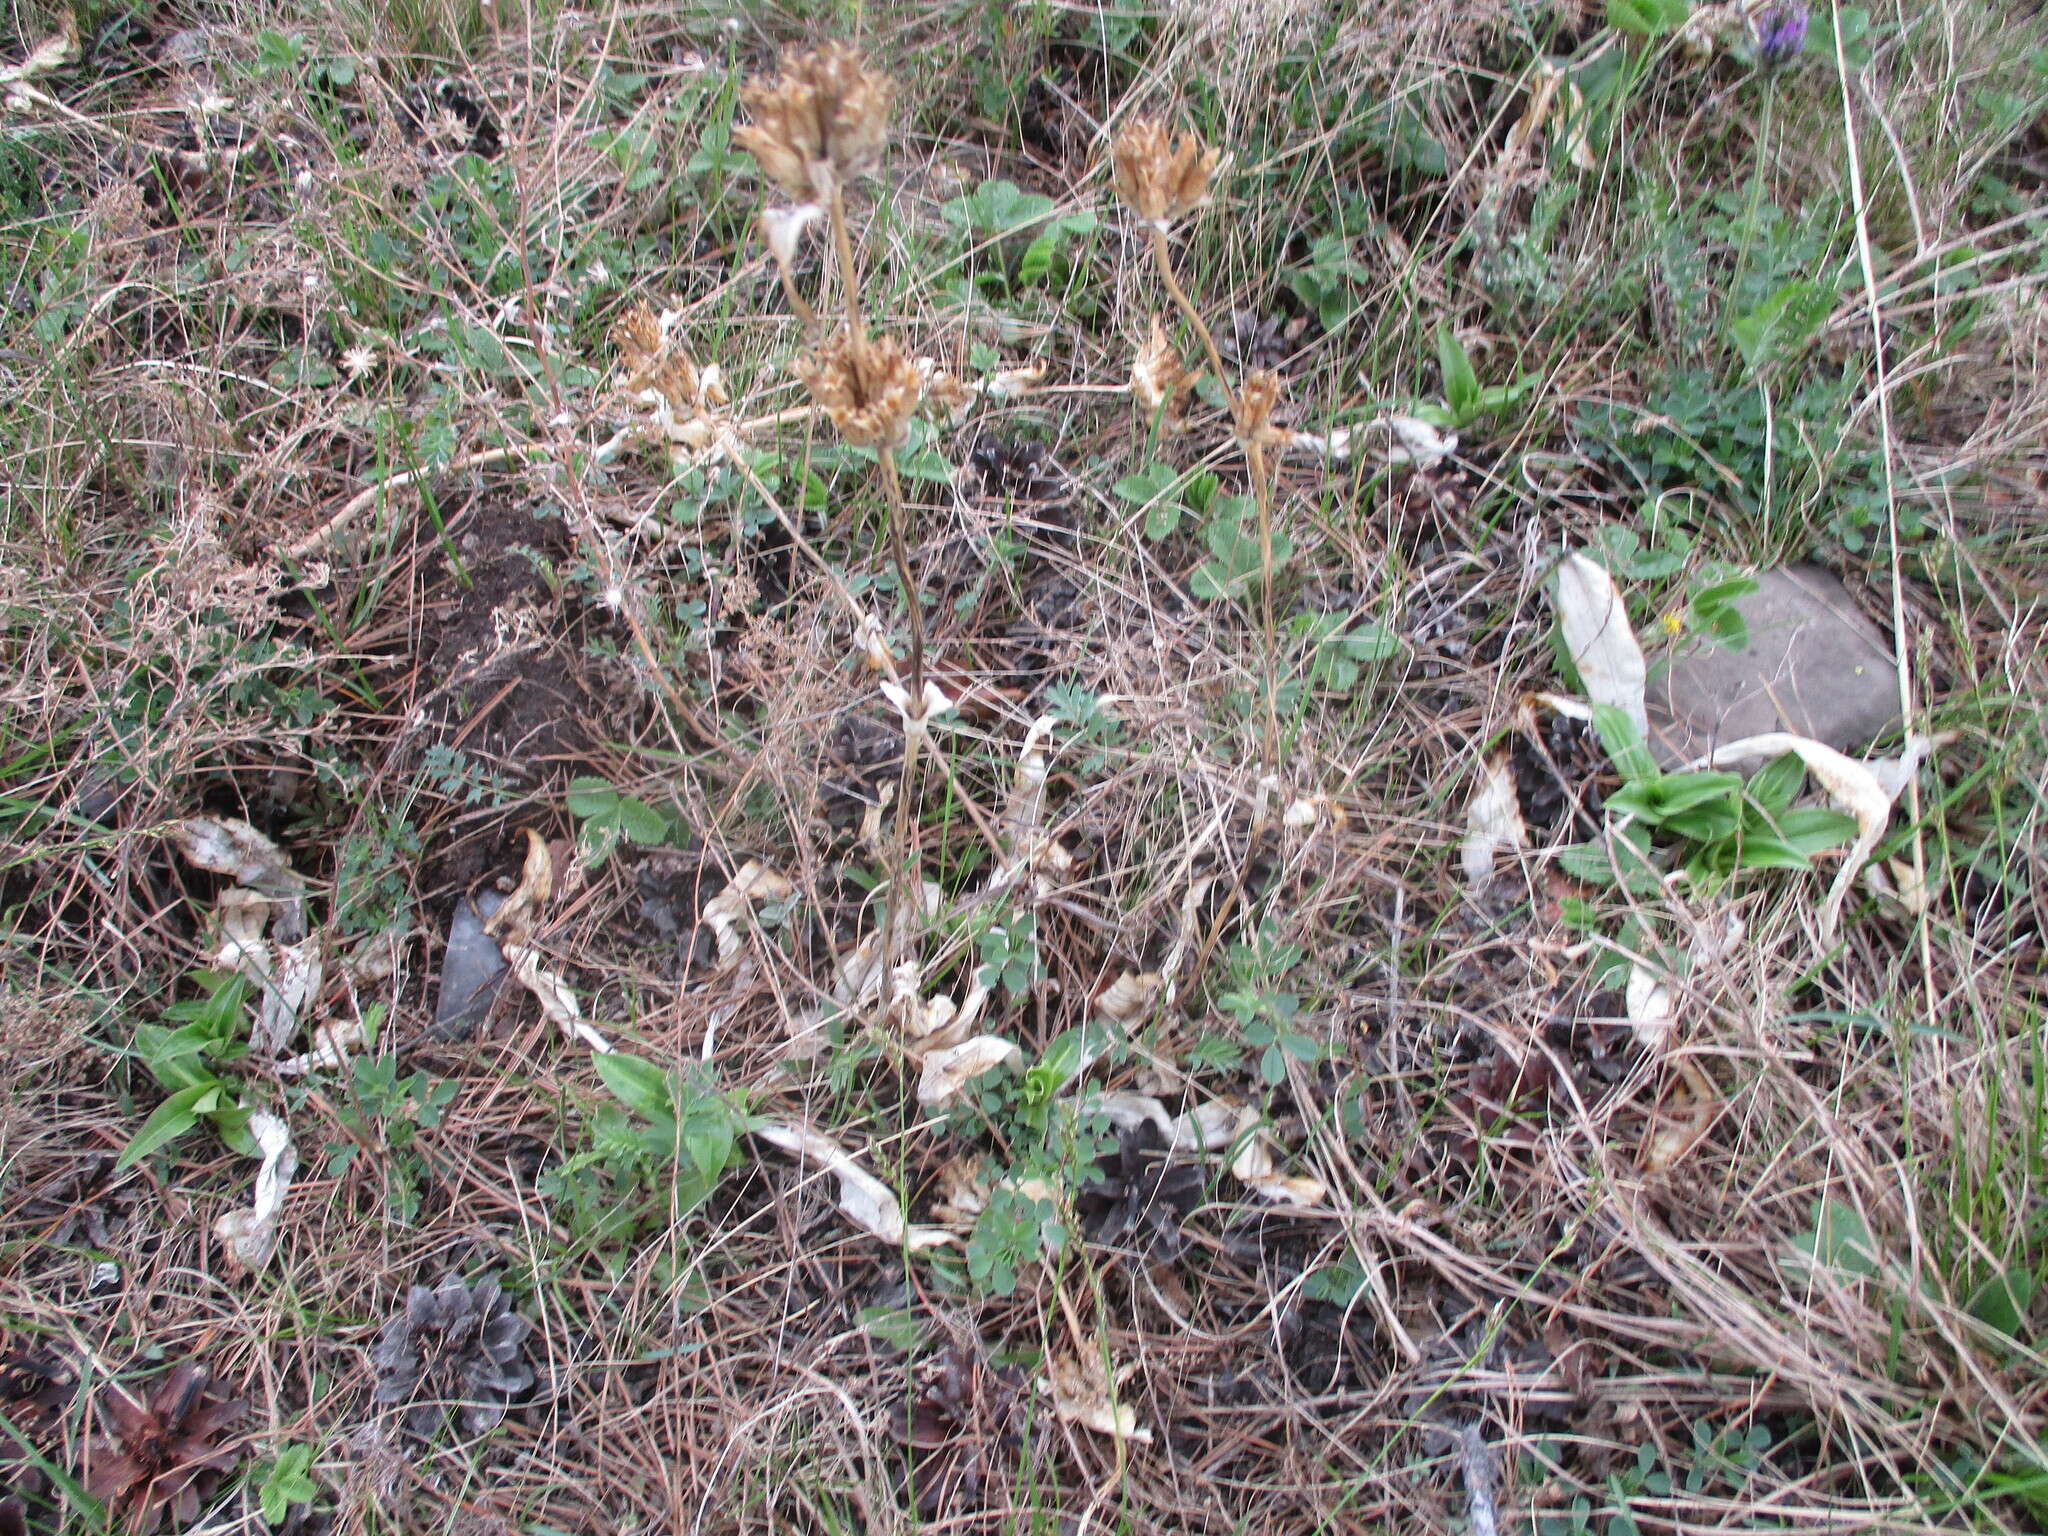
(228, 846)
(1082, 1393)
(869, 1203)
(512, 926)
(953, 1067)
(725, 912)
(1853, 786)
(250, 1236)
(782, 229)
(1601, 642)
(331, 1045)
(1415, 441)
(1652, 1012)
(1129, 996)
(1493, 820)
(53, 52)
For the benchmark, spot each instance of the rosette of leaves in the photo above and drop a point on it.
(1140, 1196)
(163, 1453)
(454, 1346)
(964, 1426)
(36, 1389)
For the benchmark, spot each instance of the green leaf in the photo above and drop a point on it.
(1461, 384)
(1704, 823)
(1782, 324)
(1624, 744)
(1766, 850)
(1840, 1239)
(638, 1084)
(590, 797)
(641, 822)
(173, 1118)
(1814, 830)
(1647, 18)
(2002, 1302)
(1773, 785)
(1677, 793)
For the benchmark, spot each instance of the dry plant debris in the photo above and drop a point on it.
(455, 1346)
(163, 1454)
(1058, 734)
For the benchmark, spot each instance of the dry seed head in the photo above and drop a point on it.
(1158, 381)
(1162, 180)
(820, 123)
(654, 360)
(867, 385)
(1256, 398)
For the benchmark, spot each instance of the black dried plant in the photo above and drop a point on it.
(1140, 1197)
(454, 1346)
(964, 1427)
(164, 1453)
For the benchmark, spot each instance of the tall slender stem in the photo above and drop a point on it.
(849, 275)
(1262, 489)
(1164, 261)
(899, 516)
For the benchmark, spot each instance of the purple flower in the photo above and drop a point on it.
(1780, 34)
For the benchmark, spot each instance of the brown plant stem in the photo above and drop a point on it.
(899, 514)
(1164, 261)
(849, 275)
(1262, 491)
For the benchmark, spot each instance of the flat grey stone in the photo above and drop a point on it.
(1814, 666)
(472, 971)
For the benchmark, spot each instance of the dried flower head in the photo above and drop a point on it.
(822, 122)
(1256, 398)
(454, 1344)
(867, 385)
(163, 1454)
(1162, 180)
(1158, 381)
(655, 360)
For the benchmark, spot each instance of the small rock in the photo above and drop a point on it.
(472, 971)
(1814, 666)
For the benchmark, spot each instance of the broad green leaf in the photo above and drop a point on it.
(1624, 745)
(1758, 849)
(638, 1084)
(1676, 793)
(1773, 785)
(2003, 1300)
(1704, 823)
(1815, 830)
(641, 822)
(1840, 1239)
(1461, 384)
(1647, 18)
(590, 797)
(173, 1118)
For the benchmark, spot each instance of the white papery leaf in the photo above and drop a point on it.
(948, 1070)
(1854, 788)
(1602, 645)
(1083, 1393)
(1493, 820)
(1415, 441)
(1652, 1012)
(512, 925)
(864, 1199)
(251, 1236)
